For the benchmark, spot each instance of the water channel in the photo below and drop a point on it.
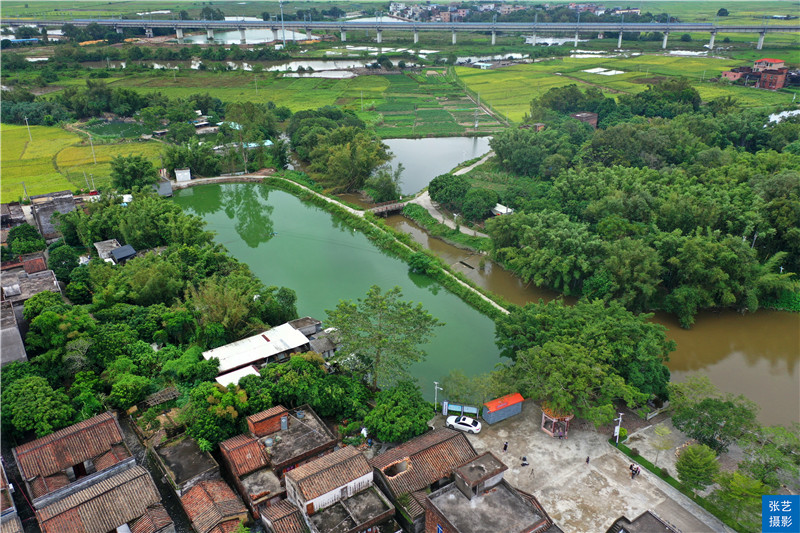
(756, 354)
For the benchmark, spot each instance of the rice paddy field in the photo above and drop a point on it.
(397, 105)
(56, 160)
(510, 90)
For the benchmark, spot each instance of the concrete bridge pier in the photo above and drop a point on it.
(380, 35)
(619, 40)
(664, 44)
(308, 34)
(711, 41)
(454, 36)
(148, 32)
(242, 36)
(576, 39)
(179, 33)
(416, 36)
(210, 34)
(494, 37)
(344, 36)
(534, 39)
(761, 40)
(601, 35)
(119, 30)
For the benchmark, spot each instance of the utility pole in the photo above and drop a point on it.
(29, 129)
(26, 192)
(92, 177)
(87, 180)
(92, 144)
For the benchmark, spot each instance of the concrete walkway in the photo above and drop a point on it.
(464, 170)
(584, 498)
(425, 201)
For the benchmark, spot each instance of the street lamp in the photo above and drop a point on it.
(436, 389)
(616, 429)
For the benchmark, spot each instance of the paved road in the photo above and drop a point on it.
(580, 497)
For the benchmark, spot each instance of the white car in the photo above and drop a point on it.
(464, 423)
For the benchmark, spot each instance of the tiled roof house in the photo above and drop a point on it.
(425, 462)
(283, 517)
(213, 507)
(104, 505)
(55, 461)
(336, 494)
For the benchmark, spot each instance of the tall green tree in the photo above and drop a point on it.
(62, 261)
(381, 335)
(717, 423)
(400, 413)
(132, 171)
(31, 404)
(697, 466)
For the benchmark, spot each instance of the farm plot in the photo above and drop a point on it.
(31, 161)
(73, 161)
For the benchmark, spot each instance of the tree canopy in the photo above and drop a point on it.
(381, 335)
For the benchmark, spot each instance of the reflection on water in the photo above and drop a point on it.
(756, 354)
(424, 159)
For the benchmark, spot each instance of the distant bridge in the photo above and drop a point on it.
(380, 26)
(388, 207)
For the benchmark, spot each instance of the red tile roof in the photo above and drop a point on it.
(769, 59)
(263, 415)
(103, 506)
(284, 517)
(153, 520)
(244, 454)
(212, 504)
(69, 446)
(329, 472)
(430, 457)
(504, 401)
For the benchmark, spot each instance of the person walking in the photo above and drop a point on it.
(505, 447)
(587, 459)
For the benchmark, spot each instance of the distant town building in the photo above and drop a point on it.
(766, 73)
(772, 79)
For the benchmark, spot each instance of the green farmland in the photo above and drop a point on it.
(509, 90)
(56, 159)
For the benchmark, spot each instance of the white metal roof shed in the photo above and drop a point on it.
(247, 351)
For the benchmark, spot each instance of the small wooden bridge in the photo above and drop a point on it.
(388, 207)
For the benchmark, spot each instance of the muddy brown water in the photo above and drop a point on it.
(755, 354)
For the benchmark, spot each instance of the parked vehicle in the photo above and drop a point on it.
(464, 423)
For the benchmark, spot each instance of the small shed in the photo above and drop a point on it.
(502, 408)
(183, 174)
(123, 253)
(500, 209)
(482, 66)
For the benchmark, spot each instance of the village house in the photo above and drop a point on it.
(768, 63)
(83, 479)
(18, 285)
(772, 79)
(336, 494)
(9, 519)
(10, 337)
(104, 249)
(11, 215)
(479, 496)
(644, 523)
(183, 462)
(274, 345)
(426, 463)
(279, 440)
(586, 117)
(43, 206)
(283, 517)
(213, 507)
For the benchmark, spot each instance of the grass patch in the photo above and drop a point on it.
(709, 506)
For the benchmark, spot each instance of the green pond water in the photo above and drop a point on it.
(288, 243)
